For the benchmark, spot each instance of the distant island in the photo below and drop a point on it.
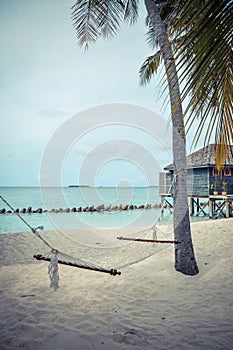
(101, 186)
(79, 186)
(126, 186)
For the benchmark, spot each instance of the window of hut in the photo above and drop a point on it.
(227, 171)
(215, 172)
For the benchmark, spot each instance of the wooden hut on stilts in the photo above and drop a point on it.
(207, 187)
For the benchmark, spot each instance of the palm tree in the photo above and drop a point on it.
(93, 19)
(202, 31)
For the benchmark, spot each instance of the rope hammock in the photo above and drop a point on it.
(132, 254)
(54, 254)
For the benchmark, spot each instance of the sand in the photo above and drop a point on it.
(150, 306)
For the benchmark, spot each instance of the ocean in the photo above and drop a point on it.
(69, 197)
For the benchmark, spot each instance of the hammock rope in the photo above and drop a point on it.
(52, 257)
(34, 230)
(154, 227)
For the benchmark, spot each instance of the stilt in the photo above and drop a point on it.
(227, 209)
(165, 204)
(230, 209)
(210, 208)
(198, 207)
(162, 205)
(191, 207)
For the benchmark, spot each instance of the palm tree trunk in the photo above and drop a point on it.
(185, 261)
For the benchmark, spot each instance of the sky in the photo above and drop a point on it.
(70, 116)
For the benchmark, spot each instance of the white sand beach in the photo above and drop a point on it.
(150, 306)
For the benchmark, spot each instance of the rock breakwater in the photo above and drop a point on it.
(92, 208)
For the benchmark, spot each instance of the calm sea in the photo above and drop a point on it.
(68, 197)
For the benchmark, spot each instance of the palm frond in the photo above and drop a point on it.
(110, 17)
(131, 11)
(84, 17)
(151, 39)
(95, 18)
(205, 63)
(149, 68)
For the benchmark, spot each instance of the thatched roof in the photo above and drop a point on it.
(204, 157)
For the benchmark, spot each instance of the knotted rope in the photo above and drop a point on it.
(53, 269)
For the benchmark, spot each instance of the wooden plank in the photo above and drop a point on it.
(147, 240)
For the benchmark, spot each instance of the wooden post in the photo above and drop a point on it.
(198, 208)
(210, 208)
(162, 205)
(227, 209)
(191, 207)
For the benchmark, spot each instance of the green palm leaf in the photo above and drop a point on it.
(93, 19)
(131, 11)
(205, 63)
(149, 68)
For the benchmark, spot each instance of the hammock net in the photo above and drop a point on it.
(98, 249)
(111, 257)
